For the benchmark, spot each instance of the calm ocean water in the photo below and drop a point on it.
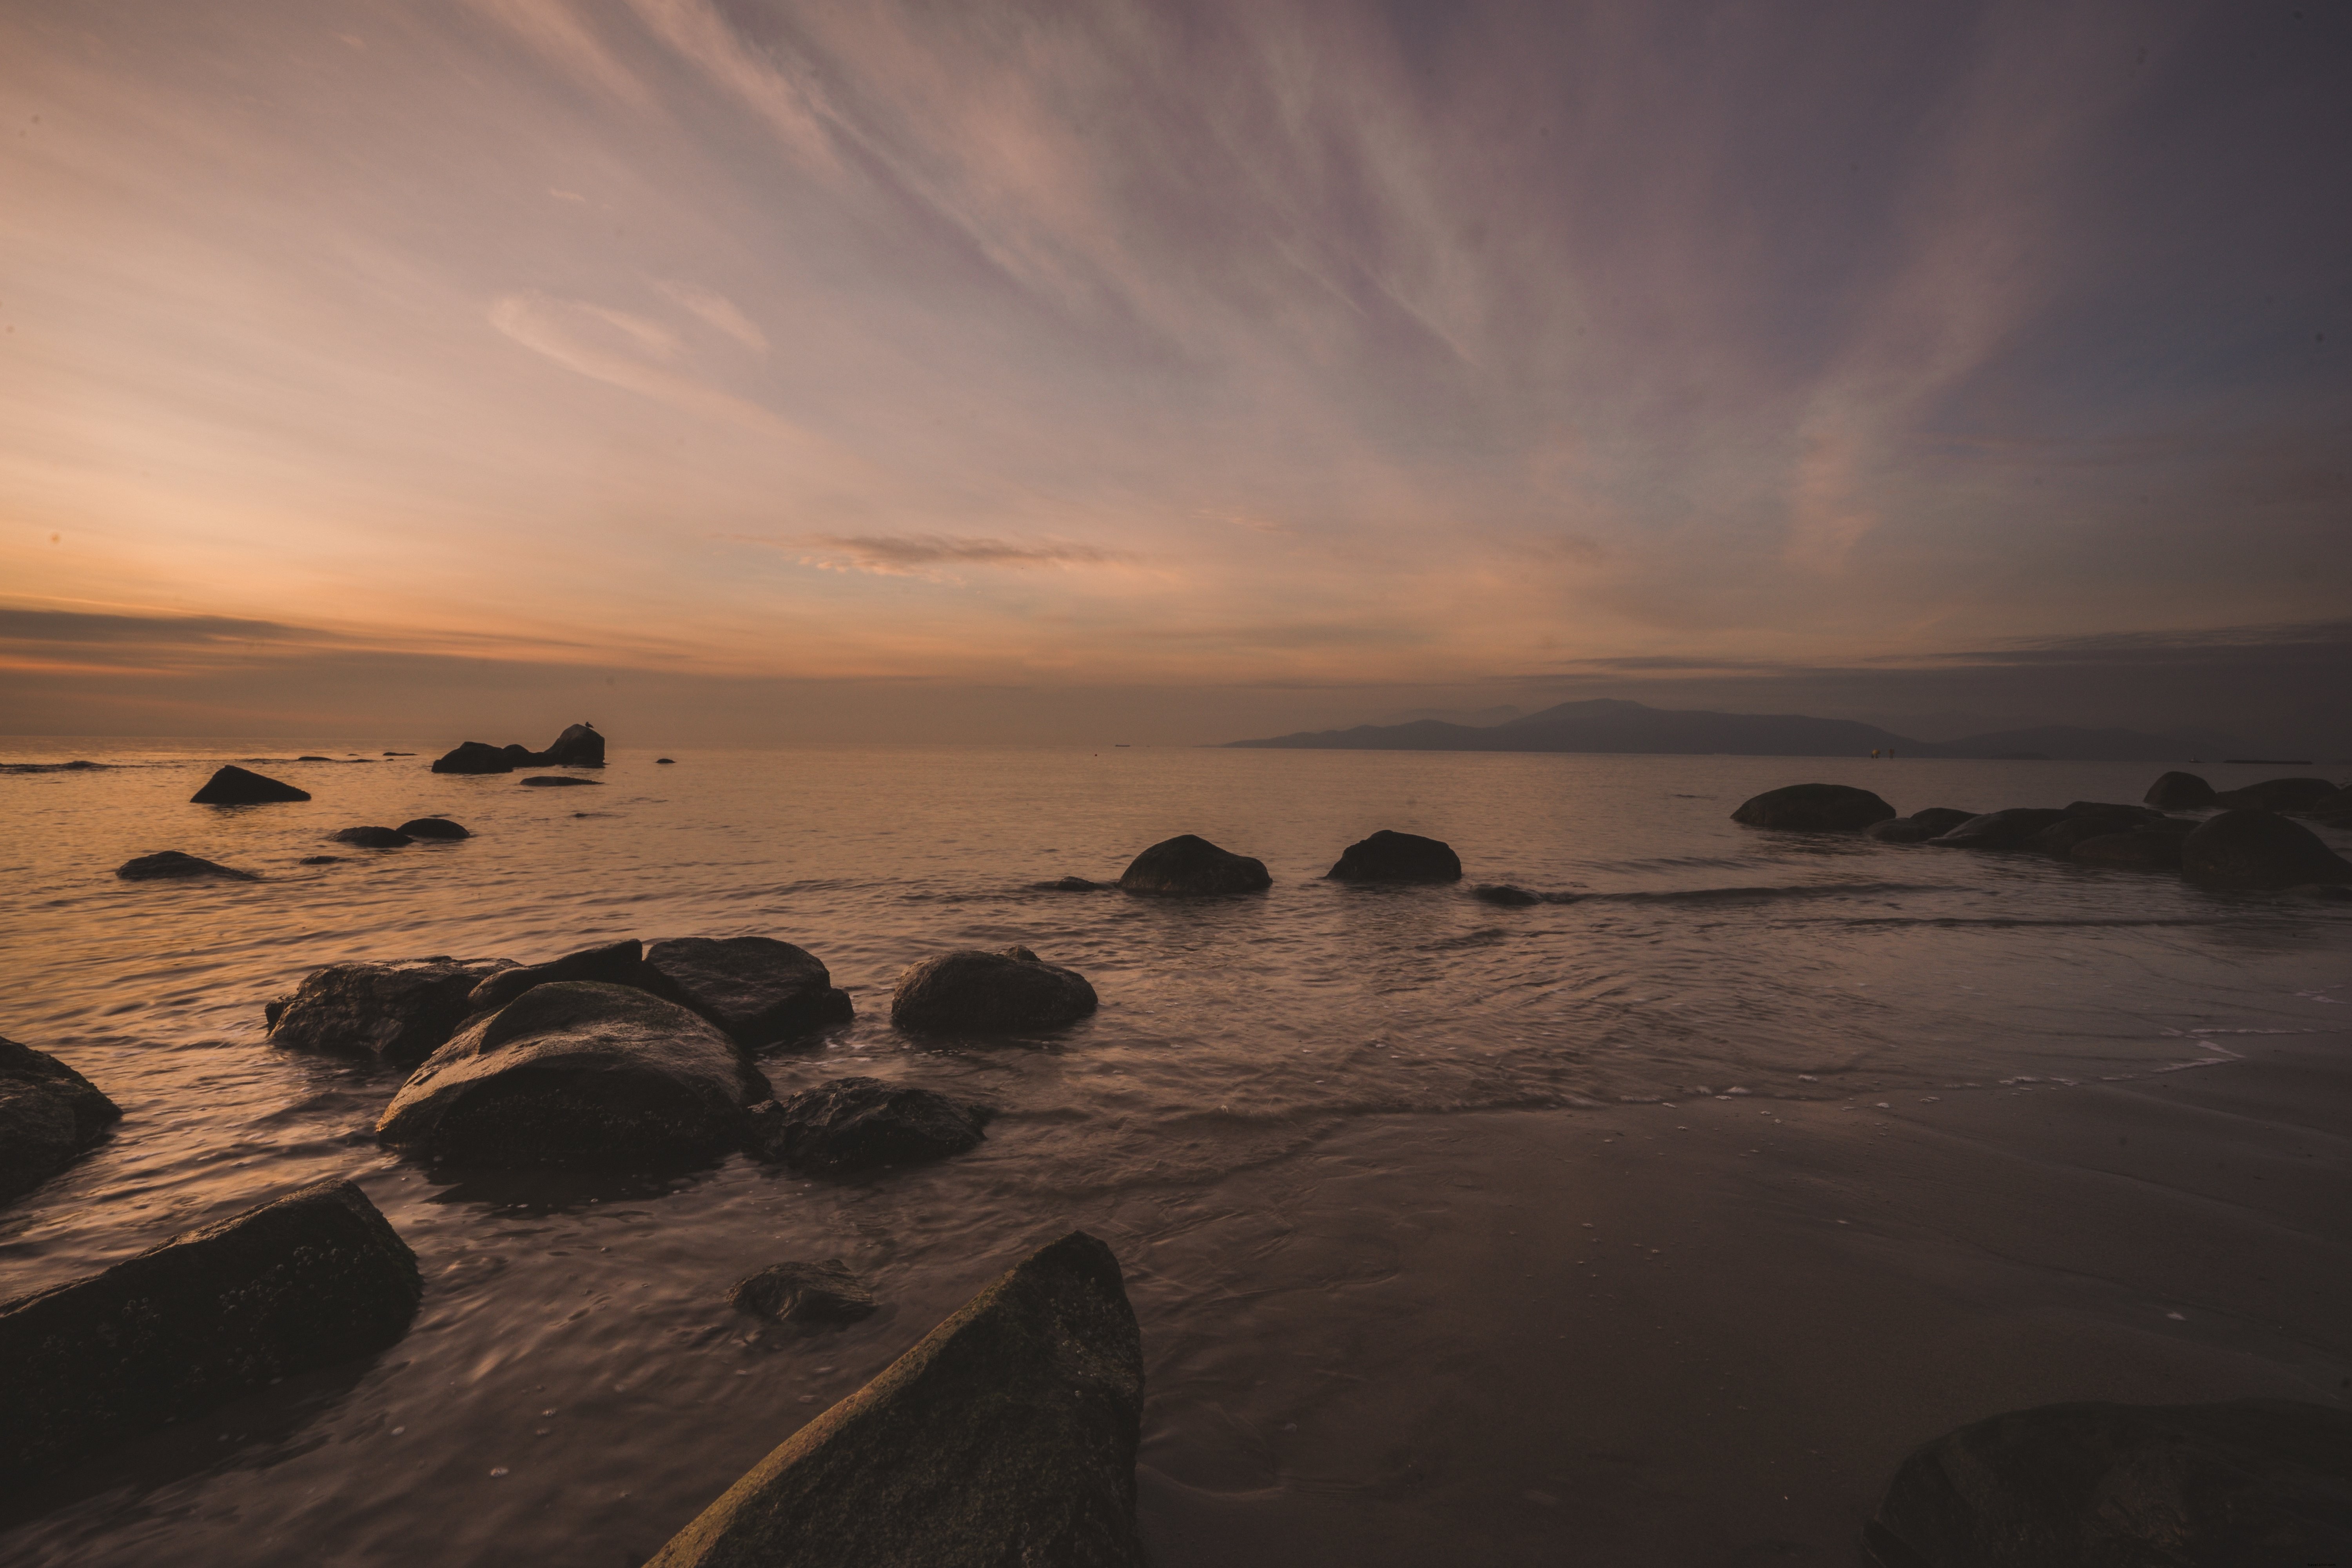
(574, 1333)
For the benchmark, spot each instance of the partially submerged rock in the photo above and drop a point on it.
(316, 1278)
(48, 1114)
(578, 1073)
(805, 1293)
(474, 757)
(437, 828)
(370, 837)
(557, 780)
(1813, 809)
(2259, 849)
(1189, 864)
(1919, 826)
(2253, 1482)
(1005, 1439)
(2278, 794)
(2011, 829)
(1070, 885)
(1504, 895)
(233, 785)
(580, 746)
(974, 992)
(857, 1123)
(2142, 849)
(1389, 857)
(2180, 792)
(757, 989)
(171, 863)
(400, 1013)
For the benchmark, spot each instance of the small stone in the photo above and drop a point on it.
(824, 1292)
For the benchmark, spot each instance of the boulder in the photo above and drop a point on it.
(2061, 837)
(2140, 849)
(2259, 849)
(578, 747)
(1069, 885)
(1504, 895)
(48, 1114)
(173, 863)
(2333, 808)
(233, 785)
(437, 828)
(1813, 809)
(316, 1278)
(557, 780)
(972, 992)
(578, 1073)
(615, 963)
(664, 762)
(1943, 818)
(473, 757)
(856, 1123)
(2180, 792)
(1389, 857)
(2278, 794)
(520, 756)
(1006, 1437)
(1190, 864)
(757, 989)
(400, 1013)
(2113, 809)
(2253, 1482)
(1900, 830)
(370, 837)
(2008, 829)
(805, 1293)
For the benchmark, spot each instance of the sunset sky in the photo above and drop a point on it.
(772, 370)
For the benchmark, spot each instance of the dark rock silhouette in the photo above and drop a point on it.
(857, 1123)
(2141, 850)
(2278, 794)
(400, 1013)
(580, 746)
(173, 863)
(1919, 826)
(578, 1073)
(805, 1293)
(545, 781)
(972, 992)
(474, 757)
(1070, 885)
(437, 828)
(316, 1278)
(370, 837)
(2259, 849)
(1006, 1437)
(1189, 864)
(48, 1115)
(2256, 1481)
(1813, 809)
(757, 989)
(233, 785)
(1506, 896)
(2062, 836)
(1389, 857)
(2180, 792)
(664, 762)
(615, 963)
(2009, 829)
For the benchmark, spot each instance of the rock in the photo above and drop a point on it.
(2139, 849)
(320, 861)
(2330, 808)
(1814, 808)
(664, 762)
(436, 827)
(48, 1114)
(578, 1073)
(173, 863)
(2061, 837)
(314, 759)
(474, 757)
(1069, 885)
(856, 1123)
(1389, 857)
(520, 756)
(1505, 895)
(1189, 864)
(2278, 794)
(1900, 830)
(757, 989)
(2180, 792)
(805, 1293)
(400, 753)
(314, 1278)
(2111, 809)
(546, 780)
(370, 837)
(400, 1013)
(615, 963)
(578, 747)
(2008, 829)
(1006, 1438)
(2259, 849)
(233, 785)
(2255, 1481)
(971, 992)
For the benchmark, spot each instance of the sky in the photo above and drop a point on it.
(769, 371)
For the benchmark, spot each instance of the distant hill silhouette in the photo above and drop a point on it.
(1612, 724)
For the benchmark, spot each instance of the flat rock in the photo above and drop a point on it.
(2242, 1485)
(474, 757)
(2259, 849)
(1070, 885)
(233, 785)
(48, 1115)
(664, 762)
(557, 780)
(757, 989)
(2180, 792)
(1389, 857)
(578, 1073)
(2011, 829)
(1189, 864)
(1006, 1438)
(1813, 809)
(370, 837)
(168, 863)
(615, 963)
(436, 827)
(976, 992)
(400, 1013)
(805, 1293)
(318, 1277)
(2278, 794)
(857, 1123)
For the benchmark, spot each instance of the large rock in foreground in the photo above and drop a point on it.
(173, 863)
(578, 1073)
(402, 1013)
(317, 1277)
(1389, 857)
(1005, 1439)
(1190, 864)
(2242, 1485)
(756, 988)
(858, 1123)
(972, 992)
(1813, 809)
(233, 785)
(2259, 849)
(2180, 792)
(48, 1114)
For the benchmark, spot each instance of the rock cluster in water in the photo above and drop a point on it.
(580, 746)
(48, 1115)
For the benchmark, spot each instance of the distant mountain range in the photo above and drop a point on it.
(1610, 725)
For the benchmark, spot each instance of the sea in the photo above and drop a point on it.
(1272, 1081)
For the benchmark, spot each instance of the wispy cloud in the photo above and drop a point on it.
(929, 554)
